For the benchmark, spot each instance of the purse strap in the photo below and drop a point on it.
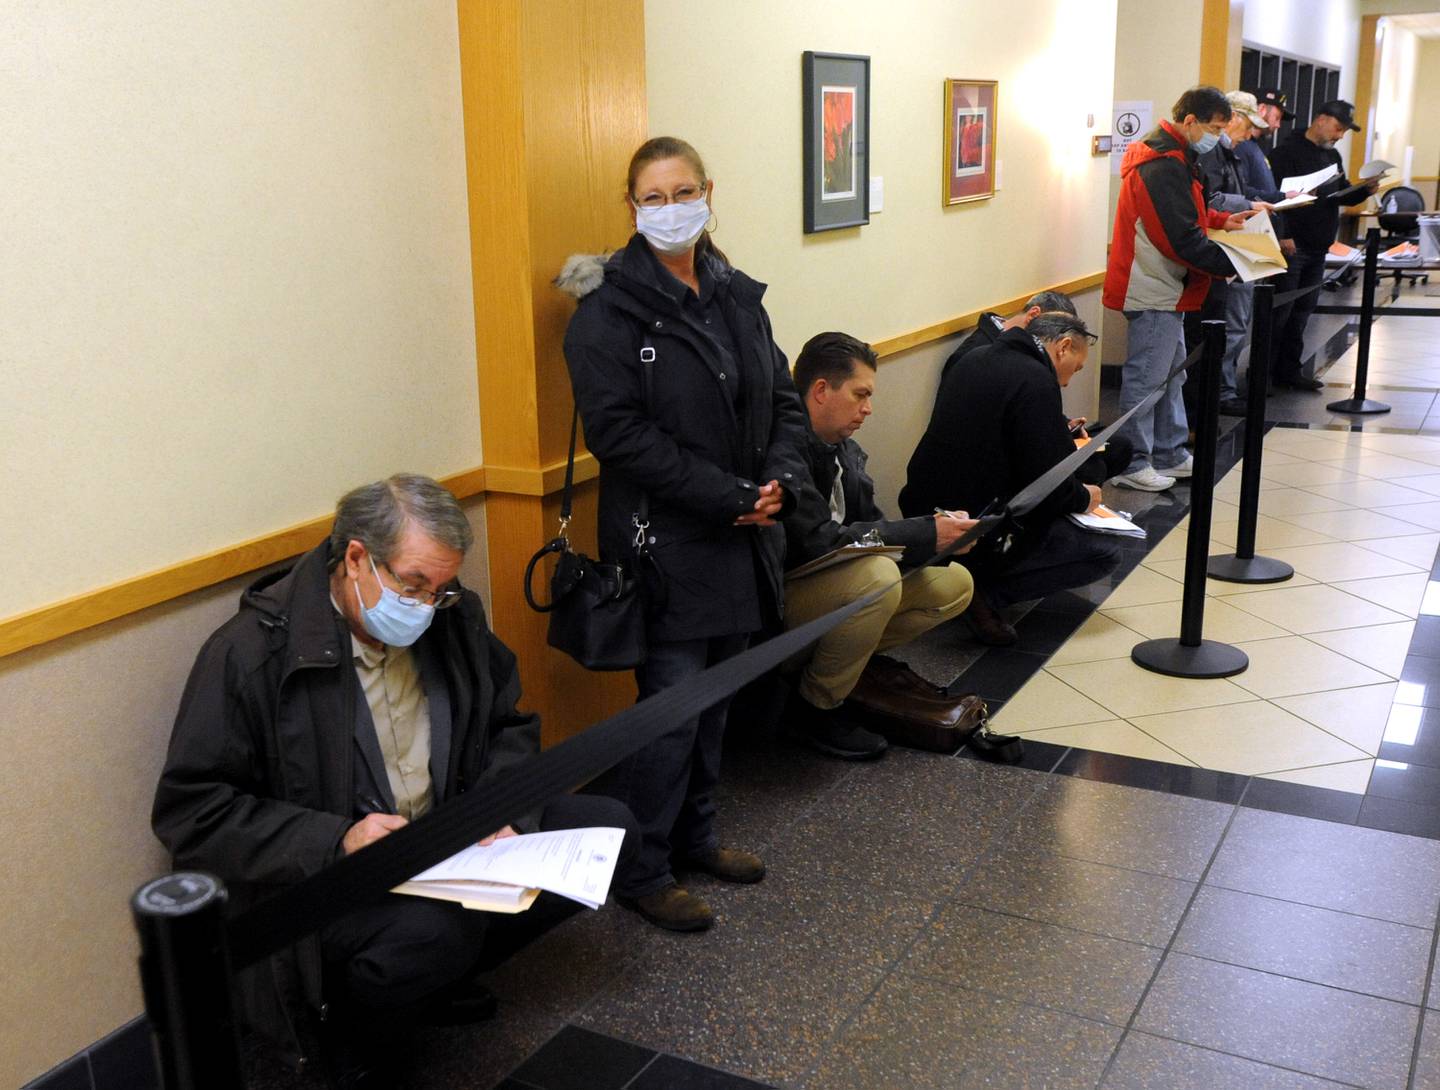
(641, 518)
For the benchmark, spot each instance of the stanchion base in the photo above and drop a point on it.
(1358, 405)
(1171, 657)
(1251, 569)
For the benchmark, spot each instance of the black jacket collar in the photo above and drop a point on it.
(637, 272)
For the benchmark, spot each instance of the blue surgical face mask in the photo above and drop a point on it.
(1206, 142)
(393, 620)
(1225, 140)
(673, 228)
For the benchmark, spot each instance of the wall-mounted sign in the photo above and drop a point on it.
(1132, 121)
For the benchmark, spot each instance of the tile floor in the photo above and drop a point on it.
(1331, 664)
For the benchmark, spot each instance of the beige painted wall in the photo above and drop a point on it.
(916, 263)
(235, 283)
(1425, 128)
(1157, 57)
(85, 724)
(1395, 101)
(235, 241)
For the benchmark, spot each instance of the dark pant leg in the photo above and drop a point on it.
(655, 781)
(1310, 270)
(1068, 557)
(392, 955)
(694, 832)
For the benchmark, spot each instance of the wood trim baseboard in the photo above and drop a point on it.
(893, 346)
(81, 611)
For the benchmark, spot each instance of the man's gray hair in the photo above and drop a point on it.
(376, 515)
(1057, 325)
(1051, 300)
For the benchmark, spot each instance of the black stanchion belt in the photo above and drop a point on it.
(1291, 296)
(365, 877)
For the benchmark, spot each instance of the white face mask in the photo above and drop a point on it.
(673, 228)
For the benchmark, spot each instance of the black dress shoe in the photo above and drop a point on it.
(1233, 406)
(989, 627)
(831, 733)
(1301, 382)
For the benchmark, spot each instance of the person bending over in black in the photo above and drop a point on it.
(997, 425)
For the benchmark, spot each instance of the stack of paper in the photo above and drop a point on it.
(1293, 202)
(1102, 520)
(1375, 168)
(507, 875)
(1253, 250)
(1340, 254)
(1404, 256)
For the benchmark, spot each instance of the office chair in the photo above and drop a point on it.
(1400, 207)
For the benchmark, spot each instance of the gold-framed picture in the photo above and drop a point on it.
(970, 120)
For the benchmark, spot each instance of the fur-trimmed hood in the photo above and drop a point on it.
(582, 274)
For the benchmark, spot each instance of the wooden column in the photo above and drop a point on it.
(1221, 28)
(554, 103)
(1367, 87)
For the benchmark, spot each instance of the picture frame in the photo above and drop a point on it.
(969, 137)
(836, 140)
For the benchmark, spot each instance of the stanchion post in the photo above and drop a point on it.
(1192, 655)
(1357, 403)
(185, 979)
(1243, 566)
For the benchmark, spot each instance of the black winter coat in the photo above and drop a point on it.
(987, 332)
(811, 532)
(997, 425)
(258, 784)
(707, 439)
(1313, 226)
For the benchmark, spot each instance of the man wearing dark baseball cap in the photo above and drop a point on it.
(1270, 96)
(1312, 227)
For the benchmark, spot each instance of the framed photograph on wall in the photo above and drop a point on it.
(969, 140)
(836, 112)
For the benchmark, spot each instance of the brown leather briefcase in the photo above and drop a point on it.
(909, 711)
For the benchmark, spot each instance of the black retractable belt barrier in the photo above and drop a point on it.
(1191, 655)
(1357, 403)
(185, 978)
(185, 965)
(1243, 566)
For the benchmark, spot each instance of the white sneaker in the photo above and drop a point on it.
(1145, 479)
(1184, 469)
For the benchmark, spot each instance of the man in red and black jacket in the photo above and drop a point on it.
(1160, 267)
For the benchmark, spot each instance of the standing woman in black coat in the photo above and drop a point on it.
(715, 445)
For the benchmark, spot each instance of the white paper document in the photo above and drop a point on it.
(1102, 520)
(1307, 182)
(1375, 168)
(575, 863)
(1293, 202)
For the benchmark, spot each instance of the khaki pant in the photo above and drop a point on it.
(830, 669)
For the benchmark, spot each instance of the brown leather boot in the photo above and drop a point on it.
(672, 908)
(729, 865)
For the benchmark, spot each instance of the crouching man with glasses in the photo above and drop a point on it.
(350, 695)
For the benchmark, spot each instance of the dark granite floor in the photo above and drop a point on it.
(931, 921)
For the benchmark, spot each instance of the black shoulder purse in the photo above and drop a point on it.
(597, 611)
